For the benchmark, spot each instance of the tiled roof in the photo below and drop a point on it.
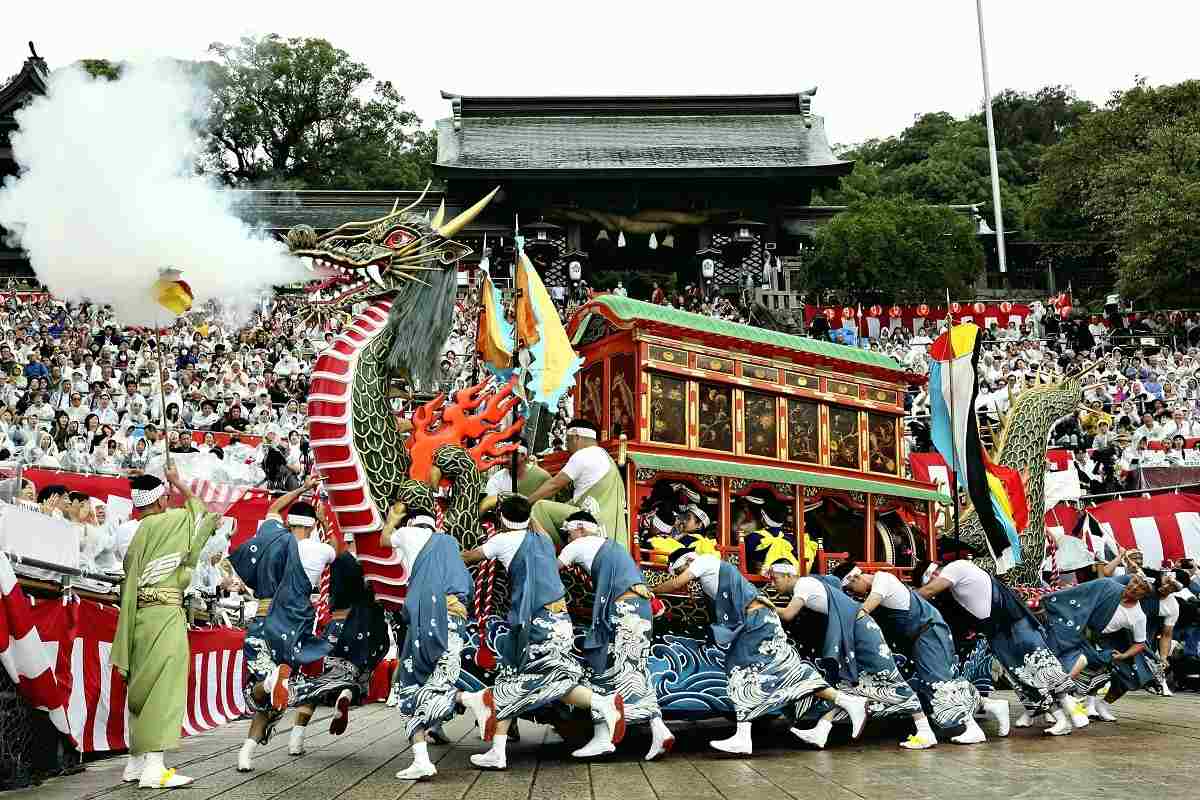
(737, 133)
(628, 310)
(797, 477)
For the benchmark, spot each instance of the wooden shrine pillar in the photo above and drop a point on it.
(801, 529)
(870, 517)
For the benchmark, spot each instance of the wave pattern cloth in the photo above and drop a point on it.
(997, 492)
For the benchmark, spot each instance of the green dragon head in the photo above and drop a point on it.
(401, 257)
(382, 256)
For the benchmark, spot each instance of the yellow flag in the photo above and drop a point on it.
(172, 293)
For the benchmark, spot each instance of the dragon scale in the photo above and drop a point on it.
(1023, 447)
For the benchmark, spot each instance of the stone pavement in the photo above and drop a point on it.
(1149, 752)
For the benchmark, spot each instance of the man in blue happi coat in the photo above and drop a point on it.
(617, 646)
(282, 565)
(436, 600)
(537, 666)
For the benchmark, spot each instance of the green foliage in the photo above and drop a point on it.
(895, 250)
(101, 68)
(941, 159)
(1130, 174)
(302, 113)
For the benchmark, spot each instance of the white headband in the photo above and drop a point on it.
(588, 528)
(145, 497)
(705, 520)
(579, 430)
(928, 572)
(300, 520)
(422, 521)
(770, 523)
(513, 526)
(661, 526)
(851, 575)
(784, 568)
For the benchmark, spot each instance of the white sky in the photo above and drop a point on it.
(877, 63)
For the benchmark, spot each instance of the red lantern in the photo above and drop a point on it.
(894, 311)
(830, 314)
(848, 312)
(1064, 312)
(875, 310)
(979, 308)
(923, 310)
(955, 308)
(1006, 307)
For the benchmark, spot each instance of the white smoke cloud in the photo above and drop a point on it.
(107, 196)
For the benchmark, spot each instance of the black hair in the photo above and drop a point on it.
(515, 508)
(303, 508)
(582, 516)
(52, 490)
(843, 569)
(918, 571)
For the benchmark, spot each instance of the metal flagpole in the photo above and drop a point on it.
(162, 394)
(991, 131)
(953, 418)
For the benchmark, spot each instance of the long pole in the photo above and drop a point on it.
(991, 131)
(953, 421)
(162, 396)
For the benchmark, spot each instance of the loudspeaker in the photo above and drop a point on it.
(537, 427)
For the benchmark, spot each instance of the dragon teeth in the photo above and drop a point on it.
(373, 274)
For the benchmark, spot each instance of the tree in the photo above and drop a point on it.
(1130, 174)
(896, 250)
(941, 159)
(297, 112)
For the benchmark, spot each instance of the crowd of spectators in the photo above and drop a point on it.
(81, 393)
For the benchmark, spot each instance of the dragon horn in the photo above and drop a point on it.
(371, 223)
(439, 217)
(415, 202)
(462, 220)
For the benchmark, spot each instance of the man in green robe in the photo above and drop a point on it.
(597, 488)
(150, 650)
(530, 477)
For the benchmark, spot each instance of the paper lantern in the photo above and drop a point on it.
(1006, 307)
(830, 314)
(979, 308)
(894, 311)
(848, 312)
(923, 310)
(875, 310)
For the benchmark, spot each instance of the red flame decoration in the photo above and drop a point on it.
(436, 424)
(875, 310)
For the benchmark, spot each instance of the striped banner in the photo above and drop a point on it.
(23, 653)
(1166, 527)
(78, 640)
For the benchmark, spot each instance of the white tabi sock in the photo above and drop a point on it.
(246, 755)
(421, 754)
(923, 729)
(154, 764)
(500, 744)
(296, 741)
(659, 729)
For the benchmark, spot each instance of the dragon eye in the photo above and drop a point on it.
(398, 238)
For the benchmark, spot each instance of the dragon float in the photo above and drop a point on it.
(400, 271)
